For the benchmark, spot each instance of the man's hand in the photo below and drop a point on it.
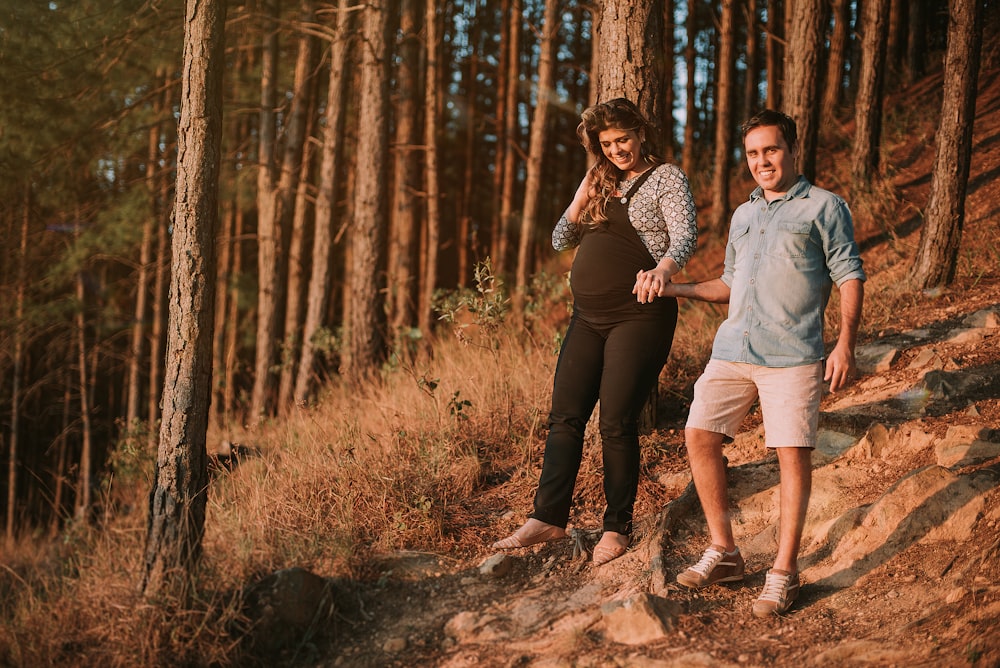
(840, 368)
(651, 284)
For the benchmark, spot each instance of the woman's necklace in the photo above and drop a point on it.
(626, 184)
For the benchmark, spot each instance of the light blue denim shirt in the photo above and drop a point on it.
(782, 259)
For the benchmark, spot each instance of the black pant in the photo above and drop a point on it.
(619, 365)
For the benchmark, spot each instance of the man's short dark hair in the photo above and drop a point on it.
(772, 118)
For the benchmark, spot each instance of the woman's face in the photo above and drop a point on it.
(621, 147)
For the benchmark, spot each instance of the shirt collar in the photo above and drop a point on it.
(799, 189)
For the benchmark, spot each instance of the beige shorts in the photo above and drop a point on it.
(789, 401)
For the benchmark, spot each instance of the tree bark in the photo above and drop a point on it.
(868, 106)
(726, 67)
(833, 88)
(688, 150)
(401, 273)
(292, 207)
(365, 326)
(511, 147)
(536, 149)
(432, 179)
(632, 30)
(18, 367)
(775, 53)
(802, 59)
(269, 232)
(941, 236)
(321, 271)
(177, 502)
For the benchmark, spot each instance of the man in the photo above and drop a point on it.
(787, 246)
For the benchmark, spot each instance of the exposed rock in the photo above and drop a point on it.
(988, 318)
(640, 619)
(496, 565)
(965, 445)
(876, 358)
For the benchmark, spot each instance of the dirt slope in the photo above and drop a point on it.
(901, 557)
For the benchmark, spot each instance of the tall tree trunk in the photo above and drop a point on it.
(668, 123)
(536, 148)
(868, 106)
(633, 28)
(432, 188)
(751, 82)
(132, 414)
(833, 88)
(161, 277)
(916, 42)
(18, 355)
(178, 499)
(726, 67)
(688, 154)
(941, 235)
(60, 473)
(269, 233)
(401, 274)
(467, 237)
(775, 53)
(294, 169)
(86, 451)
(362, 352)
(802, 60)
(330, 157)
(511, 147)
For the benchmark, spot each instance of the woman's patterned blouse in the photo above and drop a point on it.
(662, 212)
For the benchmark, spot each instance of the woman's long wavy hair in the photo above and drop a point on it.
(616, 114)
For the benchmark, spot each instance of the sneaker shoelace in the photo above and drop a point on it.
(708, 562)
(775, 586)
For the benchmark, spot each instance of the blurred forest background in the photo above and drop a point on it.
(377, 159)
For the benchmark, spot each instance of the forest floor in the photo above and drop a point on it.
(901, 557)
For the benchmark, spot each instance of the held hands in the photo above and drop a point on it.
(651, 284)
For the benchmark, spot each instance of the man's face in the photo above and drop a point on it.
(771, 162)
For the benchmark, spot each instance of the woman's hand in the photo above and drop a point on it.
(651, 284)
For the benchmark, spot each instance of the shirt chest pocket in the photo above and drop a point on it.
(791, 239)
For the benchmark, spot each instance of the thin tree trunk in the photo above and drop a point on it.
(432, 188)
(916, 43)
(536, 148)
(726, 67)
(178, 500)
(15, 390)
(833, 89)
(775, 52)
(269, 233)
(751, 84)
(868, 106)
(132, 415)
(467, 239)
(86, 451)
(294, 171)
(330, 158)
(158, 317)
(401, 275)
(690, 94)
(668, 123)
(511, 148)
(941, 236)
